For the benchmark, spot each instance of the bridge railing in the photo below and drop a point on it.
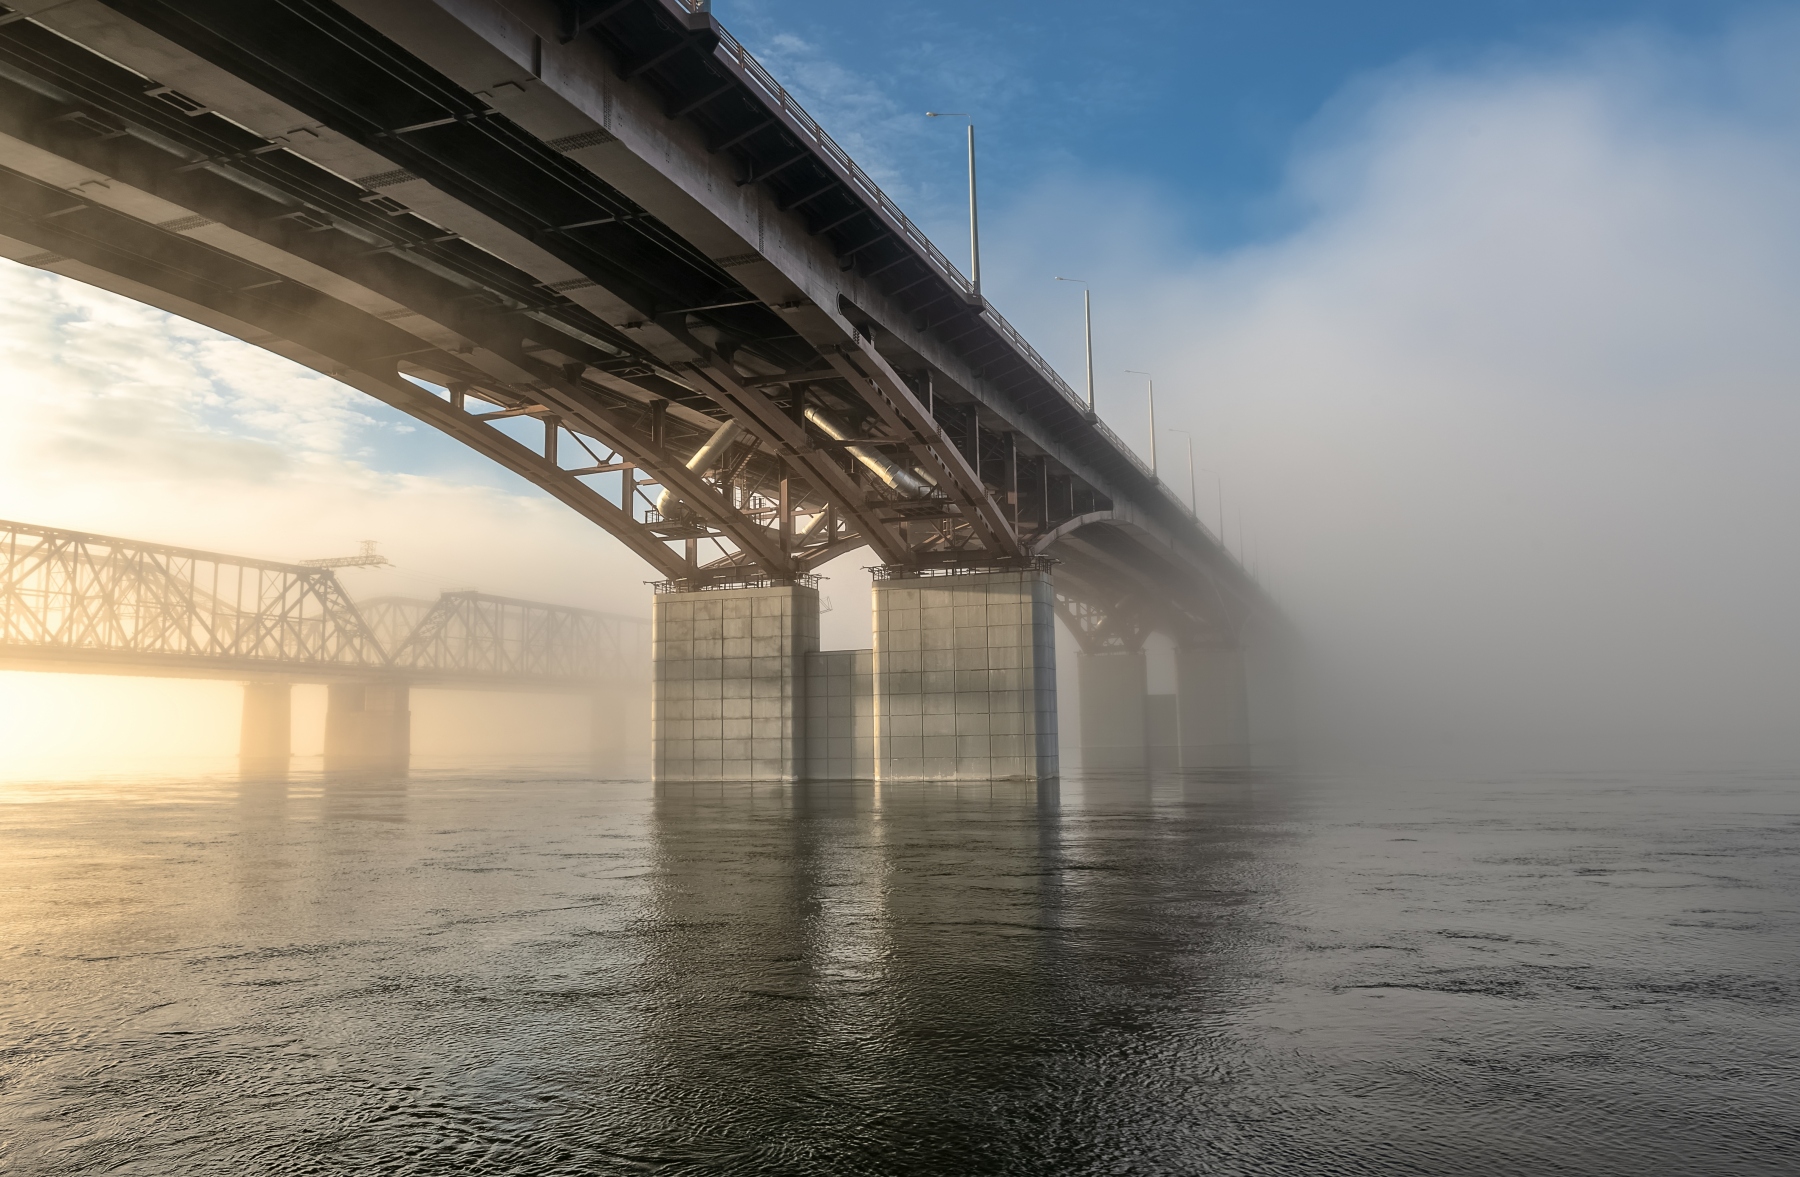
(758, 76)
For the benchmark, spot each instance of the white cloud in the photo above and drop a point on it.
(1511, 413)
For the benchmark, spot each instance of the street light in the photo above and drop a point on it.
(1150, 386)
(974, 220)
(1087, 317)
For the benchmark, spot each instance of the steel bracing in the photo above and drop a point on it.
(597, 242)
(73, 601)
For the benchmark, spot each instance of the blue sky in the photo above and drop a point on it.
(1206, 100)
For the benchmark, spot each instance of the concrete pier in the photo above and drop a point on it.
(840, 715)
(368, 728)
(729, 697)
(1162, 731)
(265, 738)
(1114, 709)
(965, 677)
(1214, 718)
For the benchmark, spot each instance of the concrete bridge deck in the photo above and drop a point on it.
(596, 241)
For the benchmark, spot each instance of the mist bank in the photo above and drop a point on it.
(1505, 417)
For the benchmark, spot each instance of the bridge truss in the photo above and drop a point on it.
(79, 602)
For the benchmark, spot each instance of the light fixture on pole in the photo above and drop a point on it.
(1193, 498)
(974, 219)
(1087, 319)
(1150, 387)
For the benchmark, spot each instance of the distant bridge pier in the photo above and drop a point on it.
(1114, 708)
(1212, 701)
(265, 739)
(368, 728)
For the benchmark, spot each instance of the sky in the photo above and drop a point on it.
(1480, 317)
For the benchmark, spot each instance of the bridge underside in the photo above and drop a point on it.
(597, 243)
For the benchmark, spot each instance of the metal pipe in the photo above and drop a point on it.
(896, 476)
(701, 461)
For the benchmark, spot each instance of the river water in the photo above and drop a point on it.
(534, 974)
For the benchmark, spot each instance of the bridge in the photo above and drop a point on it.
(73, 602)
(597, 242)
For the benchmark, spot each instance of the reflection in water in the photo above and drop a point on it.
(358, 797)
(1169, 974)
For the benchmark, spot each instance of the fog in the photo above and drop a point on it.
(1503, 405)
(83, 726)
(1508, 405)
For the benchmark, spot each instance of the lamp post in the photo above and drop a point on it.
(974, 219)
(1087, 319)
(1150, 387)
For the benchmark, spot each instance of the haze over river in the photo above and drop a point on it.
(535, 974)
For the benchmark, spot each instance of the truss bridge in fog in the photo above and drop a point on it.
(599, 243)
(74, 602)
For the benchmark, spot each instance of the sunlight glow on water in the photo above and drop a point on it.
(524, 974)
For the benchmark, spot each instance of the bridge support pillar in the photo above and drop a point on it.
(368, 728)
(965, 677)
(1214, 717)
(729, 702)
(840, 715)
(265, 739)
(1114, 709)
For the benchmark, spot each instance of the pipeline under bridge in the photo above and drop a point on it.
(599, 243)
(74, 602)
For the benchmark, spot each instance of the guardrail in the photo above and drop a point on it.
(754, 73)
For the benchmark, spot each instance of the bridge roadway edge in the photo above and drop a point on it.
(669, 170)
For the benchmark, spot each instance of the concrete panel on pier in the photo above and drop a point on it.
(729, 700)
(840, 715)
(965, 677)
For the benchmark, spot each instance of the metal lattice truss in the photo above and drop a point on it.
(468, 634)
(72, 601)
(1102, 629)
